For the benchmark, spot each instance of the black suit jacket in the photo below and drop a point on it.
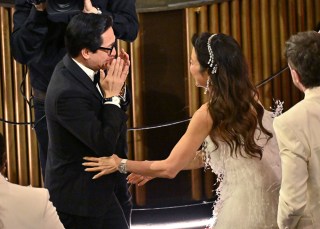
(79, 125)
(38, 41)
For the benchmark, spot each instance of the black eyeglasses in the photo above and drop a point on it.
(108, 50)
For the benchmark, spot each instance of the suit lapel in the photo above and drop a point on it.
(80, 76)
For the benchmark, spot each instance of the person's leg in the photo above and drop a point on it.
(40, 126)
(113, 218)
(68, 220)
(124, 196)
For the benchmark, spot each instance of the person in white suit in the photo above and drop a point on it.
(24, 207)
(298, 135)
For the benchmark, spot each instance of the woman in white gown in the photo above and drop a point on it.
(236, 135)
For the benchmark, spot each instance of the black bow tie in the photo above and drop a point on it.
(96, 78)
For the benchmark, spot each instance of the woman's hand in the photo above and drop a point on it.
(103, 165)
(138, 179)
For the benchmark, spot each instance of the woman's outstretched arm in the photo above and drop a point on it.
(181, 156)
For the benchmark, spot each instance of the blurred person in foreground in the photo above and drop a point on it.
(24, 207)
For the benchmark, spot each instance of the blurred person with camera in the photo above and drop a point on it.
(38, 41)
(16, 200)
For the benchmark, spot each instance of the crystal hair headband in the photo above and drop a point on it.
(211, 61)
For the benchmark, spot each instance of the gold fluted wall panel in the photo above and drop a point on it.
(260, 26)
(21, 143)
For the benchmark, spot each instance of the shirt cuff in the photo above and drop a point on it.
(117, 104)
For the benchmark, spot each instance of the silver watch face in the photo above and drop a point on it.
(116, 99)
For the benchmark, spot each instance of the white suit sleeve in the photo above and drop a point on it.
(294, 159)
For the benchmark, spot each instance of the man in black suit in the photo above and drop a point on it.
(38, 41)
(84, 118)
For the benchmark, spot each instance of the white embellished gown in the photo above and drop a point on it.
(249, 187)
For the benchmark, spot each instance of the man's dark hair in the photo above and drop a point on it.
(84, 31)
(303, 54)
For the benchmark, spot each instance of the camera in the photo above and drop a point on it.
(61, 10)
(36, 2)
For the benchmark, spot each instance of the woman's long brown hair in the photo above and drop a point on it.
(233, 103)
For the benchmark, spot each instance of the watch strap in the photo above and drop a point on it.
(115, 100)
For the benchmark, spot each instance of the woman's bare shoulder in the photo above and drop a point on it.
(202, 115)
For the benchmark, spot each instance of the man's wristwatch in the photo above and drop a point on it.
(123, 166)
(112, 100)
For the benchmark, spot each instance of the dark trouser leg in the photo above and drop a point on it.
(41, 132)
(124, 196)
(113, 218)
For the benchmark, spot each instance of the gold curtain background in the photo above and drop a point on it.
(163, 90)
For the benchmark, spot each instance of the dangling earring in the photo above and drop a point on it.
(207, 86)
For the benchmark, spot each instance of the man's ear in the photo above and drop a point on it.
(296, 78)
(85, 53)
